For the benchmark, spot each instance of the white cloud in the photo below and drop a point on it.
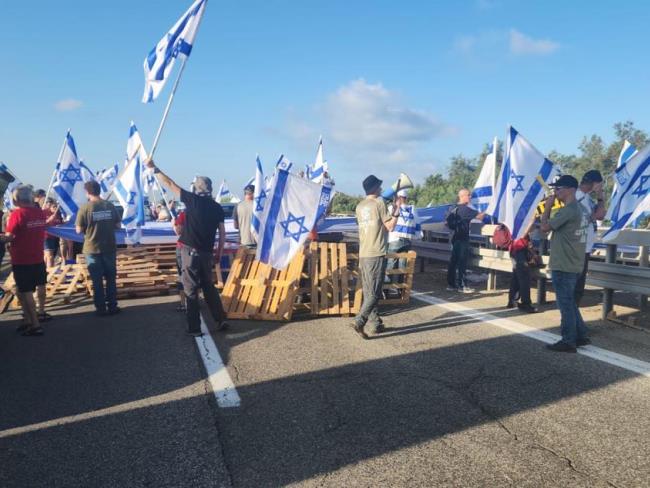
(68, 105)
(521, 44)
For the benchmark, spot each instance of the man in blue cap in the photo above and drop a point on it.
(374, 225)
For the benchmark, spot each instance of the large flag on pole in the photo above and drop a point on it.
(633, 179)
(224, 192)
(70, 177)
(519, 189)
(316, 172)
(8, 183)
(259, 197)
(486, 182)
(294, 207)
(627, 151)
(178, 41)
(128, 187)
(107, 178)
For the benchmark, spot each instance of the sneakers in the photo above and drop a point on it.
(451, 288)
(359, 330)
(114, 311)
(467, 289)
(583, 342)
(561, 346)
(379, 329)
(511, 305)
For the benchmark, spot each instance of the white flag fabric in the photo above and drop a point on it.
(627, 151)
(178, 41)
(294, 207)
(633, 178)
(128, 188)
(107, 178)
(11, 183)
(484, 189)
(224, 192)
(518, 189)
(259, 197)
(70, 177)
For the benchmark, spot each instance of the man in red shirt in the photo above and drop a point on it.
(25, 231)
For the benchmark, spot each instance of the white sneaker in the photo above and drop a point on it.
(452, 288)
(467, 289)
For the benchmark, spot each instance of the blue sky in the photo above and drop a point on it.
(392, 86)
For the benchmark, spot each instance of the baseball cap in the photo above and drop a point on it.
(249, 189)
(592, 176)
(566, 181)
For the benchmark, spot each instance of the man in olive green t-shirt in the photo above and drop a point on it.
(97, 220)
(243, 218)
(568, 240)
(374, 224)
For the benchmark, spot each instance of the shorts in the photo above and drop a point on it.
(52, 244)
(29, 276)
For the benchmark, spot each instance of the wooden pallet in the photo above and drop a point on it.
(256, 291)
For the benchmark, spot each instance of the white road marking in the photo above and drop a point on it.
(597, 353)
(218, 377)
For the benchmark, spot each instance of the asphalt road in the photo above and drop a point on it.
(439, 400)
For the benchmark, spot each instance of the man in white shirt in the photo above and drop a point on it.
(591, 183)
(406, 229)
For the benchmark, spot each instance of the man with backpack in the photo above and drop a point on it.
(458, 220)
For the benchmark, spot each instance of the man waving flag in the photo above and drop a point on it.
(519, 189)
(178, 41)
(294, 207)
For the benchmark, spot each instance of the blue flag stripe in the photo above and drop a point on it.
(484, 191)
(272, 216)
(532, 197)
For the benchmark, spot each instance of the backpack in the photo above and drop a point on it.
(457, 225)
(453, 220)
(502, 238)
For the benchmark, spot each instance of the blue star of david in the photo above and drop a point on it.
(71, 175)
(640, 191)
(519, 179)
(406, 214)
(132, 195)
(259, 201)
(301, 227)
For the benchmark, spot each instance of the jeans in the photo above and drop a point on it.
(198, 273)
(520, 280)
(582, 280)
(372, 272)
(458, 264)
(572, 326)
(400, 245)
(102, 267)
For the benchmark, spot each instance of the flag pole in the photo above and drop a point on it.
(58, 162)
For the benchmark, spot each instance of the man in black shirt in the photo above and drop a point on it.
(458, 221)
(203, 216)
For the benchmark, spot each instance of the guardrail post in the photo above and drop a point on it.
(643, 263)
(608, 293)
(541, 282)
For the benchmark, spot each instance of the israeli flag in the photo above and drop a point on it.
(633, 179)
(518, 189)
(259, 197)
(294, 207)
(128, 188)
(484, 187)
(224, 192)
(283, 163)
(178, 41)
(316, 173)
(627, 151)
(107, 178)
(9, 182)
(69, 179)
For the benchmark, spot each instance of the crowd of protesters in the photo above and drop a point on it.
(383, 228)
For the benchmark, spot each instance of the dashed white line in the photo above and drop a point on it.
(593, 352)
(218, 376)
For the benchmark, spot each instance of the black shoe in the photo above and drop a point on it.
(197, 333)
(222, 326)
(527, 307)
(561, 346)
(583, 342)
(359, 330)
(379, 329)
(101, 313)
(114, 311)
(511, 305)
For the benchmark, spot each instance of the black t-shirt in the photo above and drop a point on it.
(202, 218)
(464, 214)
